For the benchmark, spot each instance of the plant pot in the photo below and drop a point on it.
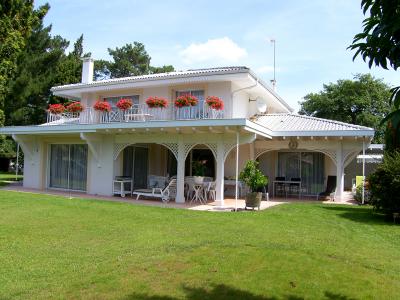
(198, 179)
(253, 200)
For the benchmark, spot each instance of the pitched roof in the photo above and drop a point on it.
(292, 124)
(168, 75)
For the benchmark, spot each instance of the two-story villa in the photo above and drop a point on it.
(87, 151)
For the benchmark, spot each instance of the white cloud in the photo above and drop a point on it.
(213, 51)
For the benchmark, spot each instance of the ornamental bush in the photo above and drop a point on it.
(56, 108)
(215, 102)
(384, 184)
(101, 105)
(186, 100)
(124, 104)
(153, 102)
(74, 107)
(253, 177)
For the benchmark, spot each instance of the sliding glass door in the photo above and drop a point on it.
(308, 166)
(135, 165)
(68, 167)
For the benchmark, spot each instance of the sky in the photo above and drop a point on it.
(311, 36)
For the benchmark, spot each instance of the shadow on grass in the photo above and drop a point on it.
(226, 292)
(361, 215)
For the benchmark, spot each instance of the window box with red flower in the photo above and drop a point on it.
(102, 106)
(74, 107)
(215, 102)
(157, 102)
(186, 100)
(56, 109)
(124, 104)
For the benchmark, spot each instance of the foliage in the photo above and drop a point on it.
(56, 108)
(215, 102)
(199, 168)
(129, 60)
(74, 107)
(379, 45)
(384, 184)
(358, 195)
(157, 102)
(102, 105)
(294, 251)
(186, 100)
(362, 101)
(253, 177)
(124, 104)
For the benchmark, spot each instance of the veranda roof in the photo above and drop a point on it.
(299, 125)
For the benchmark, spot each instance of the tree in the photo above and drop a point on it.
(379, 44)
(362, 101)
(129, 60)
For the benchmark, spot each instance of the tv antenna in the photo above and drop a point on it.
(273, 81)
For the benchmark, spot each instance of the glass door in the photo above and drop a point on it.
(135, 165)
(68, 167)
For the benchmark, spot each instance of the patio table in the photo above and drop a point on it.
(285, 183)
(198, 193)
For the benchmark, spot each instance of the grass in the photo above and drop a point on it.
(53, 247)
(7, 178)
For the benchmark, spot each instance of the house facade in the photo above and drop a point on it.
(86, 151)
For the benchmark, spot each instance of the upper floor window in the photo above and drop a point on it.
(113, 100)
(199, 94)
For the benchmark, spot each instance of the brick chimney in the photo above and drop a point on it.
(87, 69)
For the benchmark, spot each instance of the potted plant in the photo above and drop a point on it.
(255, 180)
(74, 107)
(199, 169)
(186, 100)
(56, 109)
(157, 102)
(102, 106)
(124, 104)
(215, 102)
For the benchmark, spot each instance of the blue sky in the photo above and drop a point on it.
(311, 36)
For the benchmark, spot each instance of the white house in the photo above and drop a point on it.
(86, 151)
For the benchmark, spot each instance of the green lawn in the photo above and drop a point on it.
(53, 247)
(7, 178)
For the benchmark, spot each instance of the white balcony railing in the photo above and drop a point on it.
(137, 113)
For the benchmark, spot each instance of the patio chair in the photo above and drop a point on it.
(165, 194)
(210, 191)
(330, 188)
(294, 188)
(280, 187)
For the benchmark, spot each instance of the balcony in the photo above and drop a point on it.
(137, 113)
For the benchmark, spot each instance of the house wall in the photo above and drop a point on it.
(236, 105)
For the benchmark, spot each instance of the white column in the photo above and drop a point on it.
(180, 175)
(220, 174)
(339, 172)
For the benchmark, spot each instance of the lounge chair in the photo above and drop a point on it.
(165, 194)
(330, 189)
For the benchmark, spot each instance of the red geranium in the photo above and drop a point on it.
(215, 102)
(74, 107)
(124, 104)
(56, 108)
(102, 105)
(186, 100)
(157, 102)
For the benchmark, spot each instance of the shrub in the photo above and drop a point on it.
(157, 102)
(358, 195)
(186, 100)
(384, 184)
(215, 102)
(253, 177)
(56, 108)
(74, 107)
(124, 104)
(102, 106)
